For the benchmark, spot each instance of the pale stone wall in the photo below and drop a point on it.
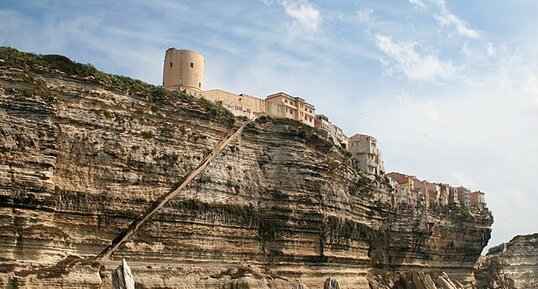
(244, 102)
(281, 105)
(294, 107)
(275, 109)
(238, 104)
(366, 155)
(183, 70)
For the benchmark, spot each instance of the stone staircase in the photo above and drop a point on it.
(164, 199)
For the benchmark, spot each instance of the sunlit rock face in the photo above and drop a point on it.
(414, 280)
(510, 265)
(84, 153)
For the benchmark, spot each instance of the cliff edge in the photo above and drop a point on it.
(84, 153)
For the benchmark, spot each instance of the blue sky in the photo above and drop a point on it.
(449, 88)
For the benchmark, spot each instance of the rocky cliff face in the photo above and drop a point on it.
(510, 265)
(84, 153)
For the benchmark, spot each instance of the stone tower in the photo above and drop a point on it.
(183, 70)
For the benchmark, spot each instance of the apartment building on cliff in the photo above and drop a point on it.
(279, 104)
(322, 122)
(412, 192)
(295, 107)
(477, 200)
(366, 155)
(403, 186)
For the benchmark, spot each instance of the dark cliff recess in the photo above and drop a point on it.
(84, 153)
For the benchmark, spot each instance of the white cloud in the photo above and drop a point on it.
(414, 65)
(303, 14)
(445, 17)
(419, 3)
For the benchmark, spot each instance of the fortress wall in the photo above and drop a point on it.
(243, 102)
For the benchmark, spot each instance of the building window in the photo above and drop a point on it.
(199, 85)
(171, 64)
(192, 65)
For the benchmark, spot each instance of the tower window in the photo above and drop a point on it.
(192, 65)
(199, 85)
(171, 64)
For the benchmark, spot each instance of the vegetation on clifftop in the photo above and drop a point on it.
(61, 66)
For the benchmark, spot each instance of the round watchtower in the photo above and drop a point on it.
(183, 70)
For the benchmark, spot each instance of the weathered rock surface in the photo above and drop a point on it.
(510, 265)
(83, 154)
(122, 277)
(414, 280)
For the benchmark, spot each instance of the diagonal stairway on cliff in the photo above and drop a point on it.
(281, 201)
(164, 199)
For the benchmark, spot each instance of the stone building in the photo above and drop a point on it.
(433, 194)
(365, 154)
(276, 105)
(412, 191)
(183, 70)
(453, 197)
(322, 122)
(239, 104)
(444, 192)
(294, 107)
(419, 188)
(463, 196)
(403, 186)
(477, 200)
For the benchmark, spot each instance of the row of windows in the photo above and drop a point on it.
(292, 103)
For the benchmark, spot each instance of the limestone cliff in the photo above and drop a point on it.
(84, 153)
(510, 265)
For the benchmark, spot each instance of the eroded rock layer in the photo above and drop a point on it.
(84, 153)
(510, 265)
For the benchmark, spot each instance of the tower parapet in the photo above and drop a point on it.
(183, 70)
